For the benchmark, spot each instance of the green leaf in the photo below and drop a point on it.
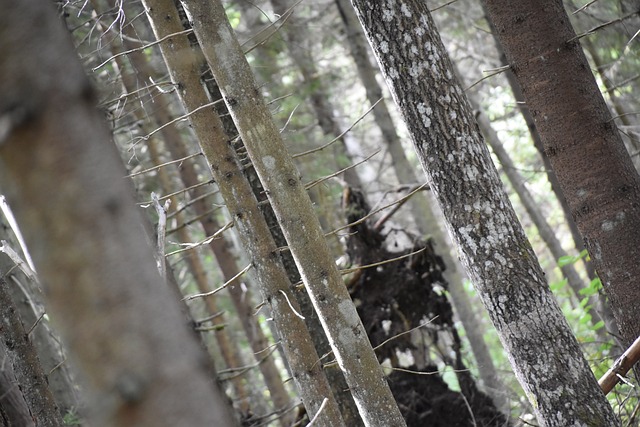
(598, 325)
(566, 260)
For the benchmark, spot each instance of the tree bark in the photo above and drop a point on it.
(500, 261)
(582, 142)
(226, 260)
(295, 213)
(29, 376)
(253, 231)
(423, 210)
(64, 178)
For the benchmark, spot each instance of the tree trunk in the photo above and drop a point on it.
(29, 376)
(582, 142)
(544, 353)
(295, 213)
(77, 213)
(254, 233)
(423, 211)
(27, 296)
(548, 236)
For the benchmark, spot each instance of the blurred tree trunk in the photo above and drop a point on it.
(582, 142)
(424, 211)
(184, 67)
(131, 81)
(201, 203)
(544, 353)
(293, 208)
(66, 187)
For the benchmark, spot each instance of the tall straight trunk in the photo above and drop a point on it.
(424, 212)
(582, 142)
(514, 85)
(294, 211)
(183, 66)
(142, 365)
(547, 234)
(131, 82)
(201, 203)
(297, 38)
(500, 261)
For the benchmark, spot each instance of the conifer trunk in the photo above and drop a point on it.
(500, 261)
(292, 206)
(582, 142)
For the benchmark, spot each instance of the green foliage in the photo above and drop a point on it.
(71, 418)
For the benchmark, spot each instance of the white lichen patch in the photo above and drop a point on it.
(384, 46)
(387, 14)
(467, 239)
(269, 162)
(405, 10)
(393, 73)
(453, 115)
(610, 224)
(386, 326)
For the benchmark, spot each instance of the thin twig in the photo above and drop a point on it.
(180, 33)
(291, 306)
(190, 246)
(322, 147)
(163, 165)
(227, 283)
(315, 417)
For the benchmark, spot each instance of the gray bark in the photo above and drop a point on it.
(22, 355)
(295, 213)
(500, 261)
(424, 211)
(65, 184)
(253, 231)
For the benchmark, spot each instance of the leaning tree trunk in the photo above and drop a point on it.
(294, 211)
(424, 212)
(501, 263)
(582, 142)
(184, 68)
(142, 365)
(22, 356)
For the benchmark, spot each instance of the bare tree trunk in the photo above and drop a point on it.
(14, 411)
(541, 347)
(77, 213)
(537, 142)
(295, 213)
(201, 204)
(548, 236)
(184, 68)
(423, 211)
(582, 142)
(131, 83)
